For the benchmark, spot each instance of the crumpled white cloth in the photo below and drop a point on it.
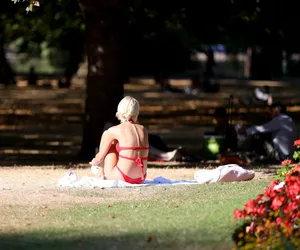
(224, 173)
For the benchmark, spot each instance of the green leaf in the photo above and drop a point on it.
(296, 155)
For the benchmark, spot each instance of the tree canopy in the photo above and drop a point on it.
(155, 29)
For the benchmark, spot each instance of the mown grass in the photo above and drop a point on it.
(183, 217)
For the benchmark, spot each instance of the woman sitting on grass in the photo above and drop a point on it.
(124, 148)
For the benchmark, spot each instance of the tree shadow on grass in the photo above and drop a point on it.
(124, 242)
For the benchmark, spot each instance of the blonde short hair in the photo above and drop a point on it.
(128, 109)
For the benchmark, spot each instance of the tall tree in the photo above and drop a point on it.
(104, 20)
(6, 73)
(104, 26)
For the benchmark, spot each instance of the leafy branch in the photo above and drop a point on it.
(31, 4)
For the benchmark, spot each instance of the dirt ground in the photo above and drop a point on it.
(36, 186)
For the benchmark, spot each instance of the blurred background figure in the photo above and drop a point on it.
(260, 96)
(32, 77)
(195, 86)
(223, 139)
(64, 82)
(224, 127)
(165, 85)
(272, 141)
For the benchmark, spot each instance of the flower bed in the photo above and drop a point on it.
(272, 220)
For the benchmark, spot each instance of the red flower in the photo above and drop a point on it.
(292, 178)
(297, 143)
(239, 214)
(261, 199)
(289, 231)
(293, 190)
(291, 207)
(269, 192)
(287, 224)
(261, 210)
(278, 220)
(277, 202)
(296, 169)
(274, 183)
(250, 207)
(286, 162)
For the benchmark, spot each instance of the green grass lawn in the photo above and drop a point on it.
(181, 217)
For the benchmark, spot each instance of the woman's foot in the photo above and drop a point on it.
(100, 177)
(96, 173)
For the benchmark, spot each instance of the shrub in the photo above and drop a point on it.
(284, 170)
(272, 219)
(287, 165)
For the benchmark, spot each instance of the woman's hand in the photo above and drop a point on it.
(270, 100)
(95, 162)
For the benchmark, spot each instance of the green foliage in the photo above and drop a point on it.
(282, 172)
(31, 3)
(160, 35)
(53, 32)
(287, 165)
(296, 155)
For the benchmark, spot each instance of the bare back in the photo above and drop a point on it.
(131, 135)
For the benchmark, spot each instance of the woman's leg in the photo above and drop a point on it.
(107, 166)
(110, 163)
(108, 169)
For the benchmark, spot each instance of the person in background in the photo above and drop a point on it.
(32, 77)
(272, 141)
(64, 82)
(210, 64)
(165, 85)
(194, 87)
(263, 96)
(260, 96)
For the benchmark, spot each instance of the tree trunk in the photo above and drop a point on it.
(6, 73)
(247, 62)
(260, 65)
(104, 27)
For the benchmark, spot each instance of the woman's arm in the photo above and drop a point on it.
(105, 144)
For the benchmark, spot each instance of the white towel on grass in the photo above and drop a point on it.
(70, 180)
(225, 173)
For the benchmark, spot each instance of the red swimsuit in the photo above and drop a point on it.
(138, 161)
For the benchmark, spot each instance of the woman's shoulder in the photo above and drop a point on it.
(112, 130)
(142, 127)
(122, 126)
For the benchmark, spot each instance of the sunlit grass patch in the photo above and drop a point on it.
(182, 217)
